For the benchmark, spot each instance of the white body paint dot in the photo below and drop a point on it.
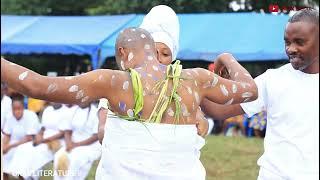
(229, 102)
(184, 110)
(224, 90)
(79, 94)
(189, 90)
(147, 46)
(246, 100)
(155, 68)
(113, 80)
(23, 75)
(125, 85)
(197, 97)
(234, 88)
(52, 88)
(214, 81)
(170, 112)
(73, 88)
(130, 112)
(130, 56)
(246, 94)
(85, 99)
(122, 65)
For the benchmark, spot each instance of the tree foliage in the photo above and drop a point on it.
(100, 7)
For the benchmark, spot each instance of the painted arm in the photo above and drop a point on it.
(219, 111)
(80, 89)
(240, 88)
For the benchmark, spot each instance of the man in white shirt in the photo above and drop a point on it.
(290, 95)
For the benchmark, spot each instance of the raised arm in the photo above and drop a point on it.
(80, 89)
(219, 111)
(240, 88)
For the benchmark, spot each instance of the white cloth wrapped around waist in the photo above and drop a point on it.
(148, 149)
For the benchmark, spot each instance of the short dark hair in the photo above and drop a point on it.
(17, 97)
(307, 15)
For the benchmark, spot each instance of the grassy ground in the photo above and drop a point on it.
(231, 158)
(225, 158)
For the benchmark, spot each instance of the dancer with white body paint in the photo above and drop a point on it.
(158, 113)
(163, 25)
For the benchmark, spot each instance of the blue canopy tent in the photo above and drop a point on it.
(249, 36)
(65, 35)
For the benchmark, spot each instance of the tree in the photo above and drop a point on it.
(102, 7)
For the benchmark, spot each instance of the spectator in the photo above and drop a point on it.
(258, 122)
(45, 144)
(82, 146)
(36, 105)
(233, 126)
(20, 128)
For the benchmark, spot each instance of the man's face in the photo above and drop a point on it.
(17, 109)
(302, 45)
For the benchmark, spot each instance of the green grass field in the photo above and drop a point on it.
(225, 158)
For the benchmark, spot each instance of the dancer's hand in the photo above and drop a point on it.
(201, 124)
(220, 65)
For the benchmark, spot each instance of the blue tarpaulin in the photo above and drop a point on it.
(249, 36)
(65, 35)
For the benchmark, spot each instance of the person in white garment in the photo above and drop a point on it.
(156, 137)
(163, 25)
(20, 128)
(45, 144)
(290, 95)
(82, 146)
(5, 104)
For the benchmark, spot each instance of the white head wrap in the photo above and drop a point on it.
(163, 25)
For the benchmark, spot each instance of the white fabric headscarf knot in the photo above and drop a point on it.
(163, 25)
